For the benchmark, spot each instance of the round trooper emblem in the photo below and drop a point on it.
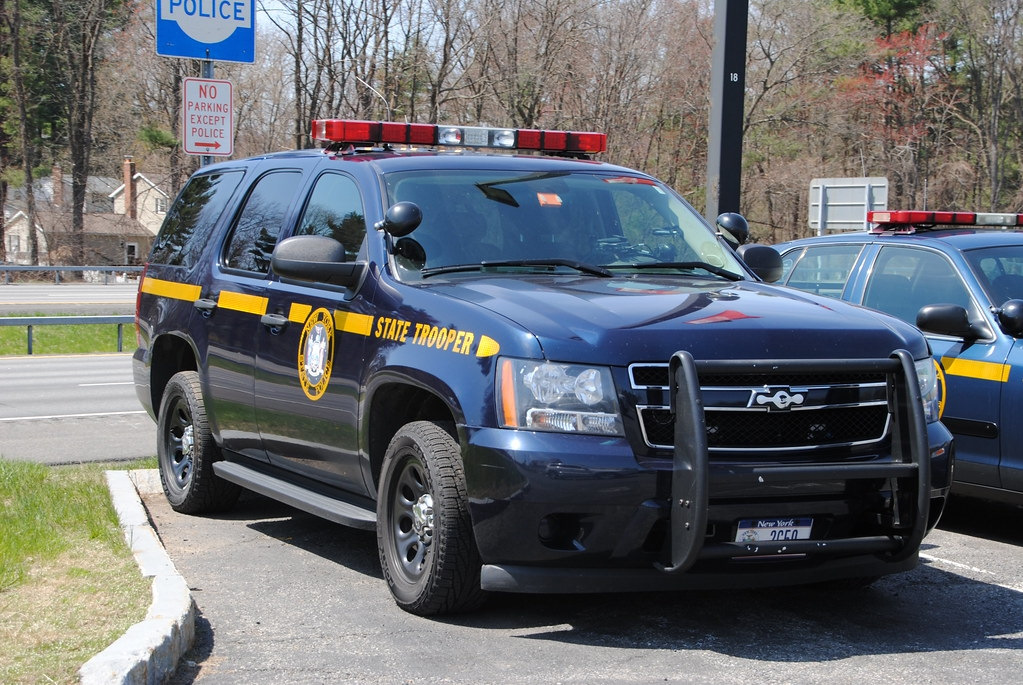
(316, 353)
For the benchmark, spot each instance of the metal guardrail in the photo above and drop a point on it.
(7, 269)
(32, 321)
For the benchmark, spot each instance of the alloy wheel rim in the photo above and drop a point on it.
(181, 437)
(412, 520)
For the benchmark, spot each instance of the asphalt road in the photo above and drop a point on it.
(26, 299)
(286, 597)
(58, 410)
(69, 409)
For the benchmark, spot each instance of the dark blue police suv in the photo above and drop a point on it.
(959, 277)
(528, 371)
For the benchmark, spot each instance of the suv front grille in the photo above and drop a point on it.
(834, 409)
(769, 430)
(657, 376)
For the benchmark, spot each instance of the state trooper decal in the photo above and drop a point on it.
(316, 353)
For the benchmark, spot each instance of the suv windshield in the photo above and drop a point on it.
(560, 222)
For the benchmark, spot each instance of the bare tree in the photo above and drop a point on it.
(989, 37)
(138, 105)
(15, 29)
(263, 112)
(530, 44)
(78, 28)
(453, 24)
(798, 121)
(5, 137)
(625, 83)
(828, 92)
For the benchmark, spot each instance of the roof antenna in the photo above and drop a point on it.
(387, 105)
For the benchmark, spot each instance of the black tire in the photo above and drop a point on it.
(424, 535)
(186, 451)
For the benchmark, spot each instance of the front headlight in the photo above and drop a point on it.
(566, 398)
(929, 376)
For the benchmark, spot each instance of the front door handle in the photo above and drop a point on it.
(275, 322)
(205, 305)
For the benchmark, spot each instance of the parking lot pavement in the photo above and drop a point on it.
(285, 597)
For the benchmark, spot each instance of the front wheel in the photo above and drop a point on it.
(186, 450)
(424, 535)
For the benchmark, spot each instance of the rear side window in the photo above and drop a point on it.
(259, 224)
(188, 225)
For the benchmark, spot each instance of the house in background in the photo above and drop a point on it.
(140, 198)
(120, 221)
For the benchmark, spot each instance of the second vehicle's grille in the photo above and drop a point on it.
(750, 412)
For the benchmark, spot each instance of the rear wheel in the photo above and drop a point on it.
(186, 450)
(424, 535)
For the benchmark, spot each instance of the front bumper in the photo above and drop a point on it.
(564, 513)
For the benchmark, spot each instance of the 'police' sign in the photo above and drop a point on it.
(223, 30)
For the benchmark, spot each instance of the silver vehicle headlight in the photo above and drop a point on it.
(930, 378)
(566, 398)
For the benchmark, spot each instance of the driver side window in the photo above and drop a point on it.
(335, 210)
(259, 223)
(824, 270)
(904, 279)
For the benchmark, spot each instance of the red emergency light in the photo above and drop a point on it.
(392, 133)
(908, 219)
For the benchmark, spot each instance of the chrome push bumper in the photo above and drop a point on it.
(691, 486)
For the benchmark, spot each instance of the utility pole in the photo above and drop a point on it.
(727, 91)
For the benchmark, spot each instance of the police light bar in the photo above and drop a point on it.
(393, 133)
(910, 218)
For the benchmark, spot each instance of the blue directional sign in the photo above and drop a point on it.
(220, 30)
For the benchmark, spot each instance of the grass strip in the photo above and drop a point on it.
(64, 339)
(69, 585)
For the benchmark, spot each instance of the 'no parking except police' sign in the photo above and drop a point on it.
(221, 30)
(208, 118)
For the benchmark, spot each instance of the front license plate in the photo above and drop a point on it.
(773, 530)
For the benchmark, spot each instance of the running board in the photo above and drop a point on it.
(332, 509)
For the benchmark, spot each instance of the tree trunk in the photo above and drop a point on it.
(27, 142)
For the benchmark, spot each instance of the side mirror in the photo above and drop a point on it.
(401, 219)
(763, 260)
(1010, 316)
(315, 258)
(948, 319)
(734, 228)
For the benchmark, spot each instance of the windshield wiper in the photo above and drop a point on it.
(585, 268)
(591, 269)
(716, 270)
(453, 268)
(503, 196)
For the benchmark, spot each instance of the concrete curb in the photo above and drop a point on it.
(150, 650)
